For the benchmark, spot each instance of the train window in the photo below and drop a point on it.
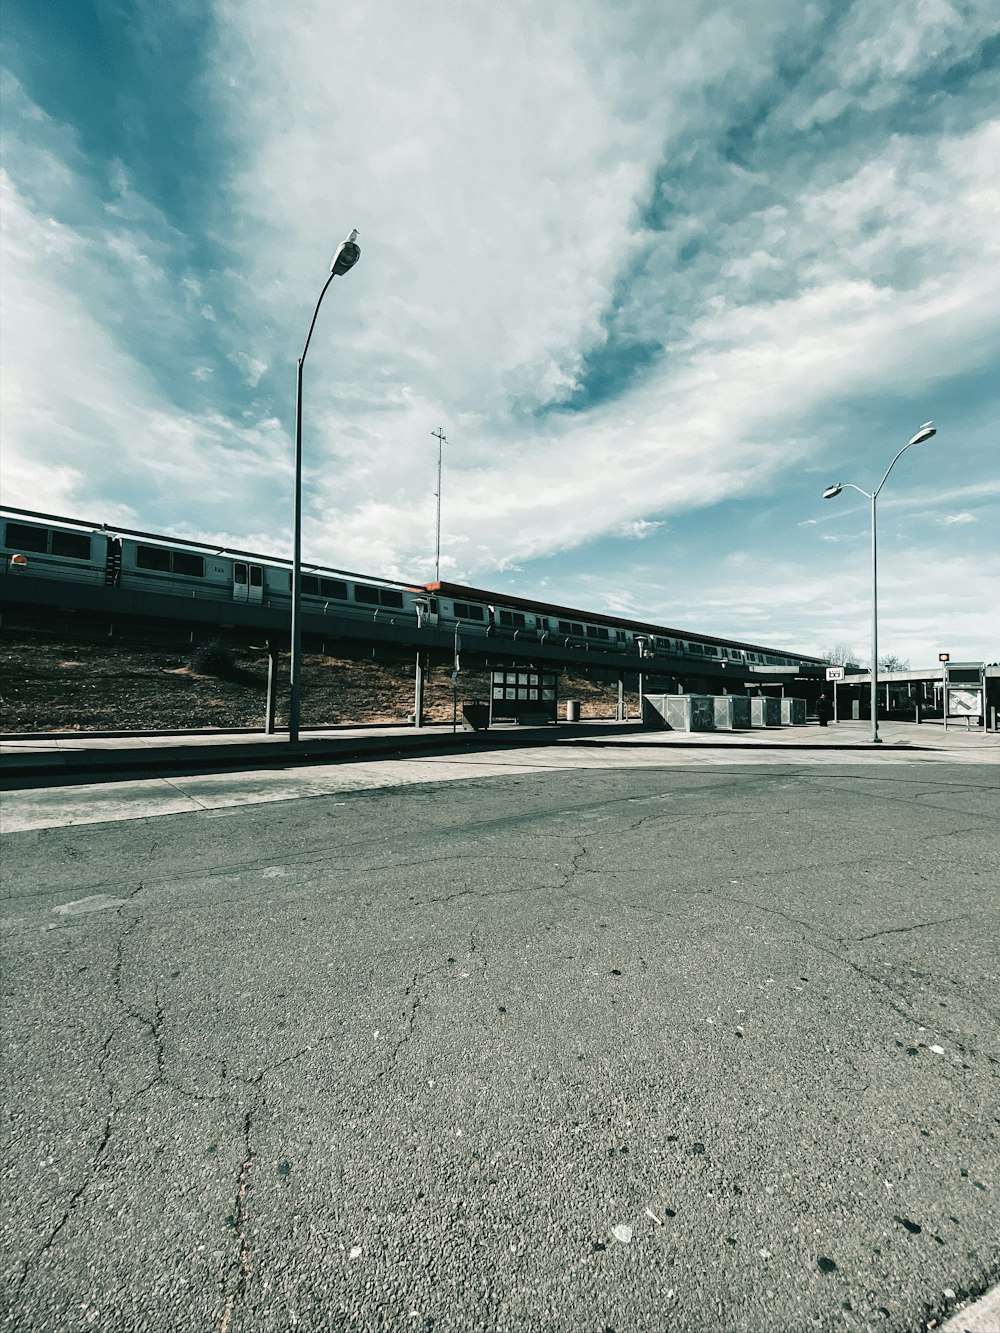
(514, 619)
(369, 596)
(598, 632)
(23, 537)
(73, 545)
(240, 572)
(313, 586)
(570, 627)
(152, 557)
(335, 588)
(710, 650)
(192, 566)
(256, 576)
(467, 611)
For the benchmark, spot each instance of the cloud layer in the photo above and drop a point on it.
(660, 276)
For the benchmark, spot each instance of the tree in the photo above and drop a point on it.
(839, 654)
(893, 664)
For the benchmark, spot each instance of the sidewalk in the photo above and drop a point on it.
(79, 757)
(839, 736)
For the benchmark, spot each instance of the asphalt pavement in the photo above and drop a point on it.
(602, 1036)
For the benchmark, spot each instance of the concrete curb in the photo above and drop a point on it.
(68, 758)
(55, 766)
(981, 1317)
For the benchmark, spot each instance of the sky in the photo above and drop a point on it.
(660, 273)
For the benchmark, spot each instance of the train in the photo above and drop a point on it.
(50, 546)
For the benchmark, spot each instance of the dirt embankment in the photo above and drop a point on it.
(65, 676)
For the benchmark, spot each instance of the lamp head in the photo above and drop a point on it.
(924, 433)
(348, 254)
(831, 491)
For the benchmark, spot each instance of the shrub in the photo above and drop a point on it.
(215, 658)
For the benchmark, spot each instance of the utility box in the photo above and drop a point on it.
(765, 711)
(793, 712)
(679, 712)
(732, 712)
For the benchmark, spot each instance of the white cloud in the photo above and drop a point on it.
(530, 184)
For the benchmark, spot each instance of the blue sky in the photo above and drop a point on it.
(662, 273)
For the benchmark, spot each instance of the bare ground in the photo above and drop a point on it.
(64, 676)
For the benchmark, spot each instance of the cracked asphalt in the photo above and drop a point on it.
(627, 1043)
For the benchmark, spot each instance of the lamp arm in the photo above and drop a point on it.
(866, 494)
(892, 465)
(315, 316)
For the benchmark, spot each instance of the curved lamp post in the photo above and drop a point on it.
(347, 255)
(924, 433)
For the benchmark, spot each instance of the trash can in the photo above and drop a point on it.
(572, 710)
(475, 715)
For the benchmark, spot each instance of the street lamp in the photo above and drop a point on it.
(924, 433)
(347, 255)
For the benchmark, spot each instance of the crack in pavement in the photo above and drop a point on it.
(95, 1164)
(901, 930)
(242, 1265)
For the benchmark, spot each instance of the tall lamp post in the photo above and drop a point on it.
(347, 255)
(924, 433)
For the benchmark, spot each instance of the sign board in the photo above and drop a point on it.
(523, 691)
(944, 657)
(965, 691)
(835, 673)
(965, 702)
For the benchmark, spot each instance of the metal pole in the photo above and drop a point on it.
(296, 662)
(272, 681)
(418, 691)
(440, 437)
(454, 683)
(876, 738)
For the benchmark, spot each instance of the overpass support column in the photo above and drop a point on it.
(418, 691)
(620, 715)
(272, 682)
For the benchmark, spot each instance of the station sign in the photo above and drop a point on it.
(944, 657)
(835, 673)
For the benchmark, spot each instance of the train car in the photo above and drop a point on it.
(63, 550)
(523, 618)
(53, 547)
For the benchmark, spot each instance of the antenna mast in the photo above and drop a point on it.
(439, 435)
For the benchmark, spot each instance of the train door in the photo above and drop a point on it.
(248, 582)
